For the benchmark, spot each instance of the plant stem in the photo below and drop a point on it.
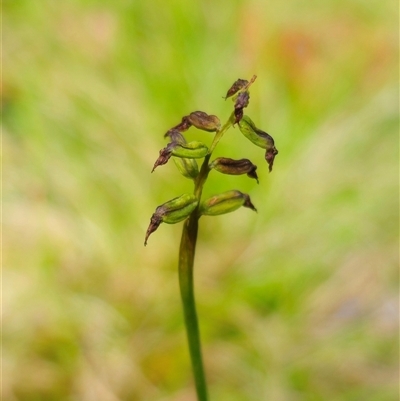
(186, 262)
(221, 132)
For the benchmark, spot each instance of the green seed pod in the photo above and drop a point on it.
(226, 165)
(172, 212)
(191, 150)
(251, 132)
(177, 209)
(187, 167)
(205, 122)
(225, 203)
(259, 138)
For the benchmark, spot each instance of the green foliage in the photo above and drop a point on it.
(298, 302)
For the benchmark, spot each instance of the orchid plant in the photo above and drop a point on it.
(190, 207)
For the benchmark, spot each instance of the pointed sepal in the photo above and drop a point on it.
(164, 155)
(237, 85)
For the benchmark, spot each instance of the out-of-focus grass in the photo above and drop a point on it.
(298, 302)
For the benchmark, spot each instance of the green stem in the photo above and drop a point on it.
(186, 262)
(221, 132)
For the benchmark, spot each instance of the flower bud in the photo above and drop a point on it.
(226, 165)
(172, 212)
(203, 121)
(187, 167)
(237, 85)
(259, 138)
(225, 203)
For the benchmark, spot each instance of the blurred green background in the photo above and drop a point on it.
(296, 303)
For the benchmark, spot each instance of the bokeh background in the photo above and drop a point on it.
(296, 303)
